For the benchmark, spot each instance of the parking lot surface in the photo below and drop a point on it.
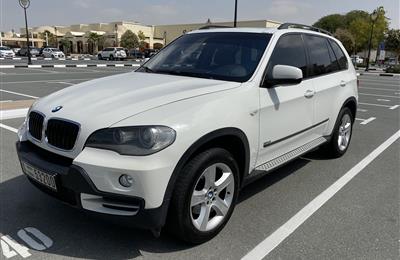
(358, 221)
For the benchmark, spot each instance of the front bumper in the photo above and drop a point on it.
(75, 188)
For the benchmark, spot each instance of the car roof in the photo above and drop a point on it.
(260, 30)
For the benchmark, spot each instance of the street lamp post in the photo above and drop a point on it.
(25, 4)
(235, 16)
(374, 16)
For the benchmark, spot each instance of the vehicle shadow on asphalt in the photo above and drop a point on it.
(271, 178)
(81, 235)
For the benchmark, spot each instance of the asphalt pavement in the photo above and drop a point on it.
(358, 221)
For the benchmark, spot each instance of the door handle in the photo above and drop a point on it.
(342, 83)
(309, 93)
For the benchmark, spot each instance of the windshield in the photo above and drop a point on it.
(218, 55)
(3, 48)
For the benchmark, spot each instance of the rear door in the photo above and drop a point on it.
(328, 67)
(286, 112)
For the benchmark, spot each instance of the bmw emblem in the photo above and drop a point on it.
(56, 109)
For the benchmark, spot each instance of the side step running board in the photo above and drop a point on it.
(268, 166)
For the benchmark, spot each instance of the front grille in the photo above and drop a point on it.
(36, 125)
(62, 134)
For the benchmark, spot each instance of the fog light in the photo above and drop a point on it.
(126, 180)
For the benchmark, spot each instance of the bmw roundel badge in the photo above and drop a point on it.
(56, 109)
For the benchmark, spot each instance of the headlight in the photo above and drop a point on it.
(136, 140)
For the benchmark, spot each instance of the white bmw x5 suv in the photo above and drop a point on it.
(173, 143)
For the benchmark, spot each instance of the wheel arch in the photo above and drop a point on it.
(351, 103)
(238, 145)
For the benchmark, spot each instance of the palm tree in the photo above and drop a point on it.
(52, 39)
(93, 38)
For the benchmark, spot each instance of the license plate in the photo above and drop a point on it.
(40, 176)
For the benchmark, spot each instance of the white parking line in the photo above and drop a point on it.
(16, 93)
(14, 113)
(376, 105)
(43, 81)
(369, 120)
(5, 101)
(65, 83)
(374, 95)
(361, 110)
(9, 128)
(284, 231)
(382, 100)
(383, 89)
(394, 107)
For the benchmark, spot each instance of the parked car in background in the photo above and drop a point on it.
(149, 52)
(16, 50)
(24, 51)
(112, 53)
(136, 54)
(392, 62)
(52, 53)
(357, 59)
(6, 52)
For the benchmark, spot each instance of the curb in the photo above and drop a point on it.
(68, 66)
(379, 74)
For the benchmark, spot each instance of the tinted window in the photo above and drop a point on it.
(289, 51)
(334, 63)
(341, 57)
(218, 55)
(320, 59)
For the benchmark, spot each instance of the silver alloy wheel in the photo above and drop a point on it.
(212, 197)
(344, 132)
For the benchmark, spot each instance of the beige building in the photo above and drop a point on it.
(78, 34)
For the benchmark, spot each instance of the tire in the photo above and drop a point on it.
(339, 135)
(185, 213)
(99, 57)
(111, 57)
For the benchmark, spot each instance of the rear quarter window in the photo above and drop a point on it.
(340, 56)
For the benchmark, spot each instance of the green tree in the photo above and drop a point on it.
(330, 22)
(392, 42)
(142, 40)
(94, 38)
(66, 45)
(129, 40)
(346, 38)
(50, 36)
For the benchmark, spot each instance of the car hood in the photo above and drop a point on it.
(103, 102)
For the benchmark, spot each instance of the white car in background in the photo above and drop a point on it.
(6, 52)
(357, 59)
(52, 53)
(112, 53)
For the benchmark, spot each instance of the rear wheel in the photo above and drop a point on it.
(204, 197)
(111, 57)
(341, 137)
(99, 57)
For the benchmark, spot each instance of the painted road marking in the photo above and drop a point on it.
(369, 120)
(376, 105)
(9, 128)
(14, 113)
(16, 93)
(43, 81)
(5, 101)
(62, 82)
(27, 235)
(7, 243)
(383, 89)
(374, 95)
(284, 231)
(394, 107)
(361, 110)
(383, 100)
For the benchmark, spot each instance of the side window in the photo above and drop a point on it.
(334, 66)
(289, 51)
(320, 60)
(341, 57)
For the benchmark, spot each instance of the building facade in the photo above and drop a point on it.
(79, 35)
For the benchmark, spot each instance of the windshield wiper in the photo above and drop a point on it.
(147, 69)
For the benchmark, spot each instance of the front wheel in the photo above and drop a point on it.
(341, 136)
(204, 197)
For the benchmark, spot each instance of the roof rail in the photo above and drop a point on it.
(303, 26)
(214, 27)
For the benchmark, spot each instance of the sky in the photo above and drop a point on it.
(153, 12)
